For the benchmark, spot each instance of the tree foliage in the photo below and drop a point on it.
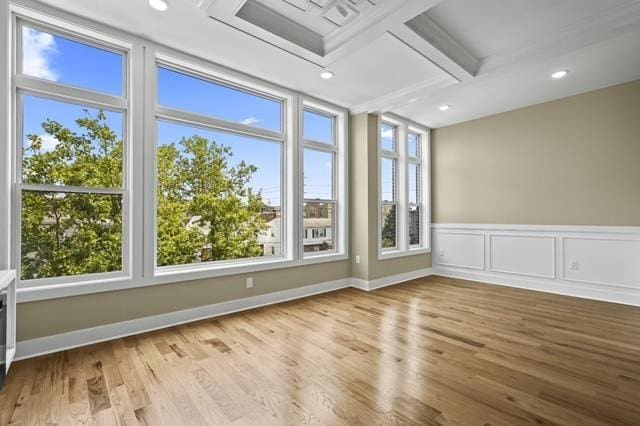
(205, 208)
(389, 227)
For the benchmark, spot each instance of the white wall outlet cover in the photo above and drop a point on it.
(250, 282)
(441, 252)
(575, 265)
(357, 259)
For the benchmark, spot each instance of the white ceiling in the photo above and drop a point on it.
(481, 57)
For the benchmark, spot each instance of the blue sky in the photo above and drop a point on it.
(59, 59)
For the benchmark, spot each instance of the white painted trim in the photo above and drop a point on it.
(484, 250)
(403, 127)
(553, 254)
(539, 228)
(611, 289)
(592, 292)
(390, 280)
(59, 342)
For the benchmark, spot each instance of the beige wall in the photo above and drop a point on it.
(574, 161)
(47, 317)
(44, 318)
(364, 206)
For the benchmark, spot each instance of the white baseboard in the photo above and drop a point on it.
(59, 342)
(390, 280)
(594, 292)
(593, 262)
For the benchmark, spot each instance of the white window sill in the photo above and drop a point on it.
(392, 254)
(76, 287)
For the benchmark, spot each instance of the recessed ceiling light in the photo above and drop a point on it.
(559, 74)
(160, 5)
(326, 75)
(444, 107)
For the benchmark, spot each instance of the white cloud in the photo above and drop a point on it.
(37, 51)
(388, 133)
(250, 121)
(49, 143)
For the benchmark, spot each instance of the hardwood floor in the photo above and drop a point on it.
(430, 351)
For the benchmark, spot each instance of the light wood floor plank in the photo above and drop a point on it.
(431, 351)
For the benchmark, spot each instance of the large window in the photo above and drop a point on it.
(134, 164)
(404, 206)
(389, 186)
(319, 165)
(415, 188)
(219, 194)
(71, 134)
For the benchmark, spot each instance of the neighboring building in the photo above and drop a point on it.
(271, 239)
(317, 233)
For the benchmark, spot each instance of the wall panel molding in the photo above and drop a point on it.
(594, 262)
(523, 254)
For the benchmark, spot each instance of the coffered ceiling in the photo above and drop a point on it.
(404, 56)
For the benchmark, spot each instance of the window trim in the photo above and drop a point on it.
(338, 179)
(403, 159)
(23, 85)
(140, 83)
(162, 113)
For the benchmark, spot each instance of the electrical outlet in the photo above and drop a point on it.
(575, 265)
(441, 253)
(358, 259)
(249, 282)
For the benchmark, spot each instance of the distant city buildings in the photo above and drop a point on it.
(317, 230)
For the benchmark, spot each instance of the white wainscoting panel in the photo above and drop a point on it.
(602, 261)
(530, 255)
(460, 249)
(594, 262)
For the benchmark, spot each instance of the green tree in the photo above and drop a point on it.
(65, 233)
(205, 210)
(389, 227)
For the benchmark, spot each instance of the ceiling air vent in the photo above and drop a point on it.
(280, 25)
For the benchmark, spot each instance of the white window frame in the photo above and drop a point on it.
(394, 157)
(415, 161)
(175, 116)
(338, 149)
(403, 159)
(140, 180)
(24, 85)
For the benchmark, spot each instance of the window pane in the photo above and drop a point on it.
(318, 174)
(414, 225)
(60, 59)
(388, 179)
(66, 234)
(388, 137)
(389, 238)
(318, 227)
(68, 144)
(218, 196)
(414, 145)
(414, 183)
(187, 93)
(318, 127)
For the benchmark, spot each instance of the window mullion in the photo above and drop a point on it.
(65, 93)
(71, 189)
(184, 117)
